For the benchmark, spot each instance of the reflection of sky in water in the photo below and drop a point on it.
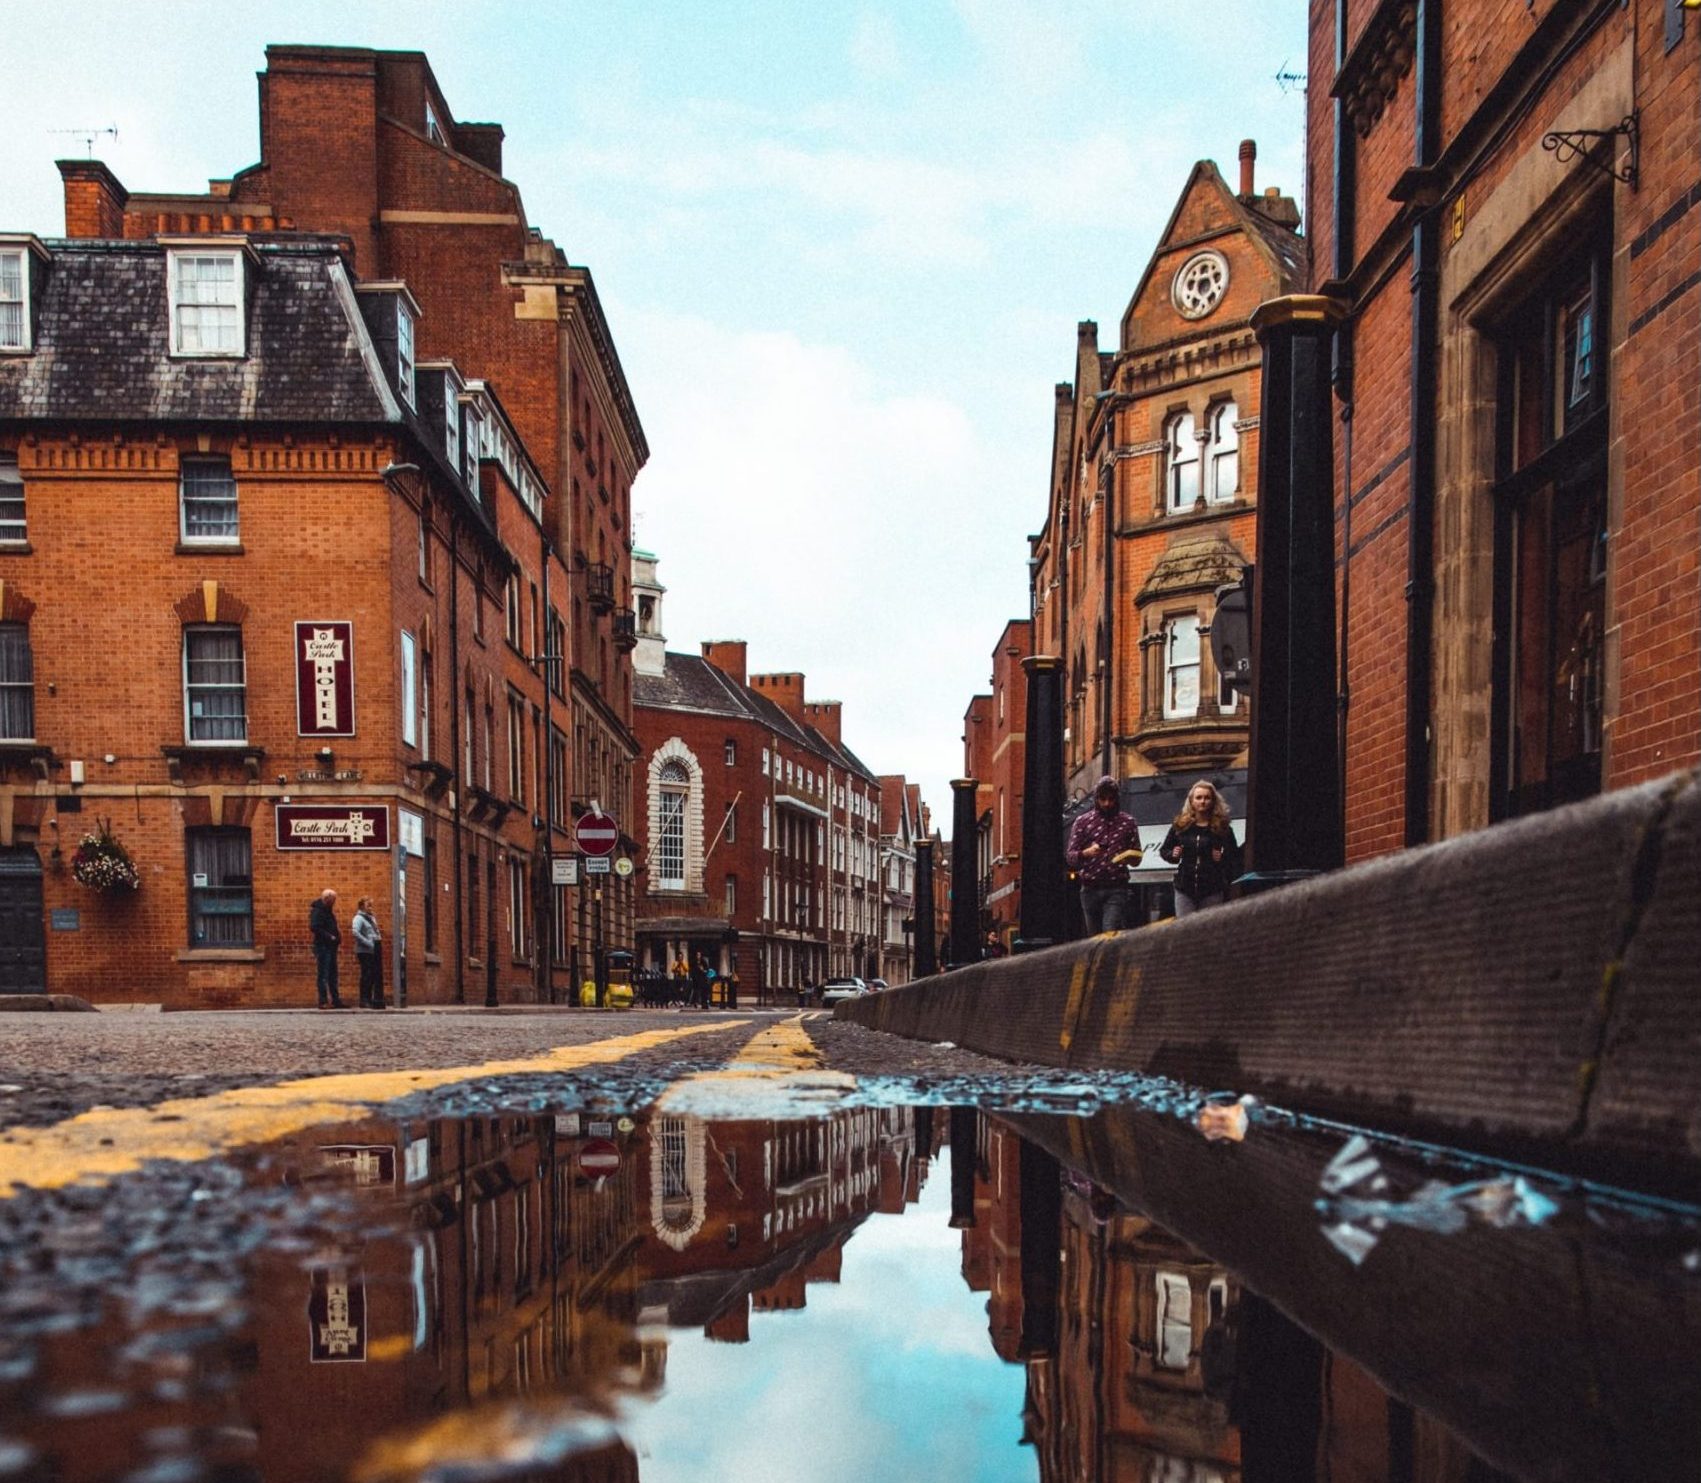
(889, 1374)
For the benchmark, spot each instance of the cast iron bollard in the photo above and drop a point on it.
(1045, 878)
(965, 877)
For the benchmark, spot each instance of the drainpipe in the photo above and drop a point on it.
(1345, 203)
(546, 938)
(1420, 519)
(456, 680)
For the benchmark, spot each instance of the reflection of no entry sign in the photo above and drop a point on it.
(598, 1158)
(596, 834)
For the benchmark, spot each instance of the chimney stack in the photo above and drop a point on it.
(1248, 153)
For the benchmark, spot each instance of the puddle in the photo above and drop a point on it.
(879, 1293)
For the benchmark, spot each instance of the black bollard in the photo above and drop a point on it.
(965, 874)
(1045, 876)
(1040, 1180)
(926, 933)
(1294, 805)
(965, 1138)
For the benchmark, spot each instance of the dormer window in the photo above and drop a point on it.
(474, 436)
(404, 350)
(14, 299)
(205, 290)
(452, 428)
(433, 129)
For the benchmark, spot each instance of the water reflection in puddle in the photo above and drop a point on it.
(882, 1293)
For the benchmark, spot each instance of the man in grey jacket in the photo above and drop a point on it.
(368, 947)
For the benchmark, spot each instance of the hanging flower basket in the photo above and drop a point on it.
(103, 864)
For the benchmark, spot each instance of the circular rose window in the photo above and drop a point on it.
(1199, 284)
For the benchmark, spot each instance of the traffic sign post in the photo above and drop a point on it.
(598, 1158)
(597, 835)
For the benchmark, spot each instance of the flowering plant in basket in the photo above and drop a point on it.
(103, 864)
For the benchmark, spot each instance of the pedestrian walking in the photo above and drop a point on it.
(1103, 843)
(369, 954)
(1202, 847)
(327, 938)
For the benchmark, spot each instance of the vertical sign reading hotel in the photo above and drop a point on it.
(324, 679)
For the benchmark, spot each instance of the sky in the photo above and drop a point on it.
(887, 1373)
(843, 249)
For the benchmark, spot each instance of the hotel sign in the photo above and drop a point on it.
(331, 826)
(324, 679)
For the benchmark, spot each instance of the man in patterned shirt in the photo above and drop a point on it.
(1103, 843)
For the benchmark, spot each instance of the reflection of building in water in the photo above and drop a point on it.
(743, 1216)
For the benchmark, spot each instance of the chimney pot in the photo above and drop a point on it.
(1248, 154)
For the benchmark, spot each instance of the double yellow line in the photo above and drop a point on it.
(101, 1144)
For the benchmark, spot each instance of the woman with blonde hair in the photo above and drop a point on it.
(1202, 847)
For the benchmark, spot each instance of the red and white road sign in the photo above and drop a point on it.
(598, 1158)
(596, 834)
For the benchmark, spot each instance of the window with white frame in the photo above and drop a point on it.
(474, 440)
(517, 907)
(516, 748)
(14, 299)
(410, 692)
(731, 752)
(207, 501)
(17, 683)
(1224, 452)
(1172, 1337)
(1181, 666)
(451, 425)
(205, 290)
(215, 684)
(767, 826)
(433, 129)
(404, 349)
(674, 784)
(730, 832)
(12, 524)
(1181, 461)
(731, 895)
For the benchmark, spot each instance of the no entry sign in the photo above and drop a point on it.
(598, 1158)
(596, 834)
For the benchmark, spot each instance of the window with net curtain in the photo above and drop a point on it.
(1181, 461)
(1224, 452)
(674, 783)
(221, 887)
(215, 687)
(17, 683)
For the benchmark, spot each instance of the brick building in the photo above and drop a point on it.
(362, 143)
(759, 833)
(304, 681)
(903, 820)
(1504, 215)
(1153, 506)
(995, 754)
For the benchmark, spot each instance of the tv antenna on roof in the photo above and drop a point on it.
(1290, 82)
(89, 135)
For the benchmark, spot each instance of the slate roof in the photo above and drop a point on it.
(691, 683)
(102, 349)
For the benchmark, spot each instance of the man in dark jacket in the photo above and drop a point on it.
(1103, 843)
(327, 937)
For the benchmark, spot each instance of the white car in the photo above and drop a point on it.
(837, 990)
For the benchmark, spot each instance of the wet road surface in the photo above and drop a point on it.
(697, 1246)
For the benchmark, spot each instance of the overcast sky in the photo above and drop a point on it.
(843, 249)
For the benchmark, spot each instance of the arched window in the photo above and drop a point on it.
(1224, 452)
(1181, 461)
(675, 786)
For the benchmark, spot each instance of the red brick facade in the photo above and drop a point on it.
(1517, 631)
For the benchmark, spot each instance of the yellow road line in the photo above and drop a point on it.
(777, 1066)
(101, 1144)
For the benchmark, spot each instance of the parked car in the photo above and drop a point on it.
(875, 985)
(837, 990)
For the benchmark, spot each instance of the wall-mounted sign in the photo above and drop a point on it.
(333, 826)
(411, 827)
(336, 1316)
(324, 678)
(564, 870)
(597, 865)
(361, 1163)
(67, 919)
